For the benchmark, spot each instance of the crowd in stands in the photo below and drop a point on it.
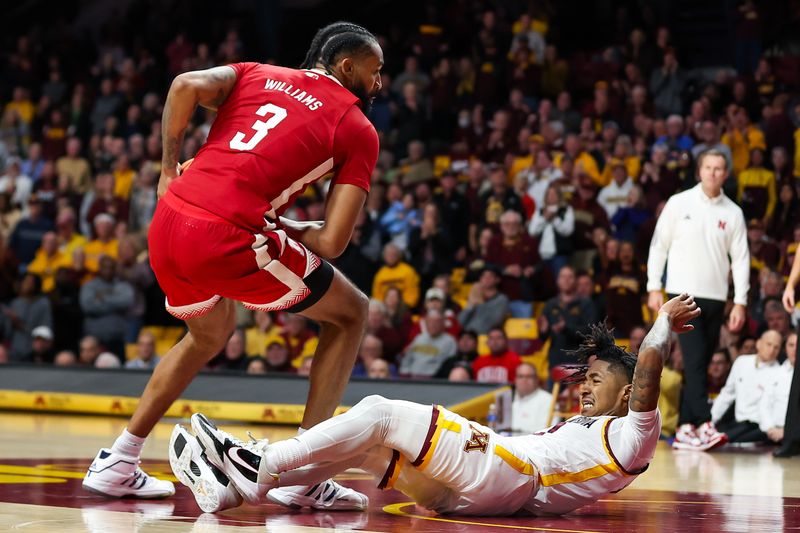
(516, 185)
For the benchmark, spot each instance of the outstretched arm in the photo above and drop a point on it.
(208, 88)
(673, 316)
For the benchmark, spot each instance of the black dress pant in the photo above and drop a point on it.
(791, 428)
(698, 346)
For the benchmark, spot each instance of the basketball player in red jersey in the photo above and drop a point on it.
(218, 234)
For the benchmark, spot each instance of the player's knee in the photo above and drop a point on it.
(353, 316)
(371, 402)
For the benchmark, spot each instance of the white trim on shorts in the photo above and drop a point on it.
(192, 310)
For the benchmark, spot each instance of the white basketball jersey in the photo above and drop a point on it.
(576, 463)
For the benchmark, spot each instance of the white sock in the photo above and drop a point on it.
(287, 455)
(128, 444)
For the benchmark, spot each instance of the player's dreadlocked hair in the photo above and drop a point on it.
(600, 342)
(336, 38)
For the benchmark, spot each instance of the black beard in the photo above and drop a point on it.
(364, 97)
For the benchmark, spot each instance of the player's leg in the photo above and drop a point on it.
(112, 467)
(375, 421)
(341, 313)
(206, 337)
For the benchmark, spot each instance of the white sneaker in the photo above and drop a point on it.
(212, 490)
(686, 438)
(115, 475)
(240, 461)
(326, 496)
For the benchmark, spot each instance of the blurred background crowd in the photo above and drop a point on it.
(527, 149)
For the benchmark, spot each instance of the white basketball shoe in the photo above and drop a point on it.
(115, 475)
(212, 489)
(325, 496)
(240, 461)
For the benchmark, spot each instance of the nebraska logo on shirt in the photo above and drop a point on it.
(721, 224)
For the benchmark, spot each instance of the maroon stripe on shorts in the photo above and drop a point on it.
(389, 470)
(428, 437)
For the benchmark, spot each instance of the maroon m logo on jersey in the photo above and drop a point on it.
(479, 441)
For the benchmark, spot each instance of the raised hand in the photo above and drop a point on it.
(681, 310)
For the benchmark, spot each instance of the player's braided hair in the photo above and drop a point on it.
(335, 39)
(599, 341)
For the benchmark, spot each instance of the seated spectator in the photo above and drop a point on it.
(75, 167)
(379, 369)
(263, 330)
(416, 168)
(428, 350)
(501, 364)
(47, 260)
(29, 231)
(26, 312)
(105, 243)
(42, 345)
(776, 318)
(466, 353)
(134, 267)
(750, 376)
(398, 313)
(553, 224)
(146, 357)
(531, 406)
(10, 214)
(105, 200)
(370, 349)
(675, 138)
(256, 365)
(615, 194)
(65, 358)
(400, 218)
(775, 401)
(277, 357)
(516, 253)
(143, 199)
(105, 302)
(429, 246)
(709, 134)
(107, 360)
(398, 274)
(564, 316)
(297, 334)
(541, 176)
(631, 217)
(15, 183)
(378, 325)
(68, 238)
(90, 348)
(460, 373)
(718, 370)
(756, 189)
(498, 199)
(233, 357)
(435, 301)
(486, 306)
(625, 283)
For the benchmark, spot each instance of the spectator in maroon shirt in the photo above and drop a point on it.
(515, 252)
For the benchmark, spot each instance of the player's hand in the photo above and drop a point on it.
(183, 166)
(655, 299)
(788, 299)
(736, 320)
(681, 310)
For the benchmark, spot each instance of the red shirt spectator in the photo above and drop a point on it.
(500, 366)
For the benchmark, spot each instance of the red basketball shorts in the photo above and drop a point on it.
(199, 258)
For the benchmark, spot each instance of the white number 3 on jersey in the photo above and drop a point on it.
(262, 128)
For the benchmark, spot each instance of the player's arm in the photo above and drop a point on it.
(330, 237)
(655, 349)
(208, 88)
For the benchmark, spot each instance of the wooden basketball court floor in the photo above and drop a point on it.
(43, 458)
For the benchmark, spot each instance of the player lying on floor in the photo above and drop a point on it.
(449, 464)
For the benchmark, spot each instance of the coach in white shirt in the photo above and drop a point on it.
(696, 233)
(750, 378)
(531, 405)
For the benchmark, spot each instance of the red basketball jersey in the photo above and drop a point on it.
(278, 131)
